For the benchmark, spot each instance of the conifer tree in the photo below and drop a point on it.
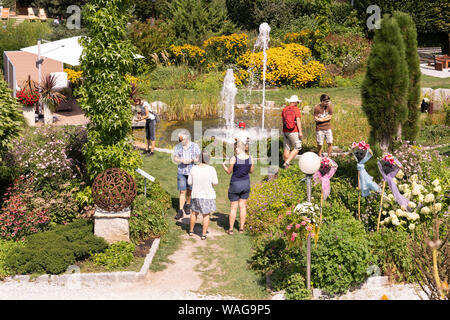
(409, 34)
(385, 85)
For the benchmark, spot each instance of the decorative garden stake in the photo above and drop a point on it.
(389, 167)
(113, 192)
(362, 154)
(327, 169)
(309, 163)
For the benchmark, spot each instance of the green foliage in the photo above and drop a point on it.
(429, 16)
(147, 220)
(119, 254)
(6, 249)
(390, 249)
(150, 38)
(346, 51)
(193, 21)
(55, 8)
(341, 257)
(323, 13)
(11, 118)
(270, 199)
(296, 288)
(54, 250)
(104, 95)
(384, 90)
(22, 35)
(409, 34)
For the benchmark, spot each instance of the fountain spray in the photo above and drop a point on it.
(263, 42)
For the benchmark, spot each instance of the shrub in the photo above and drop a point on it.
(147, 219)
(289, 64)
(296, 288)
(119, 254)
(341, 257)
(54, 250)
(18, 217)
(6, 249)
(188, 54)
(391, 252)
(44, 154)
(225, 49)
(347, 51)
(271, 199)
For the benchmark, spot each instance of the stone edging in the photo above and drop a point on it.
(94, 278)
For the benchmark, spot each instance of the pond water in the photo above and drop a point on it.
(252, 118)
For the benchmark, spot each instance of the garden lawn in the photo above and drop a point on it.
(226, 253)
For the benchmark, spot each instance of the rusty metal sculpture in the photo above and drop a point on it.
(114, 189)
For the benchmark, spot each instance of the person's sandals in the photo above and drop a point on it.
(241, 230)
(230, 232)
(179, 215)
(187, 209)
(203, 237)
(286, 165)
(191, 233)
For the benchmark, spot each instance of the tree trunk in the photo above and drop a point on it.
(384, 144)
(48, 115)
(399, 131)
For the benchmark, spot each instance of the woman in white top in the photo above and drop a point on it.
(150, 124)
(203, 178)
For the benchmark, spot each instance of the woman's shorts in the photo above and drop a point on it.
(239, 190)
(182, 182)
(150, 129)
(203, 206)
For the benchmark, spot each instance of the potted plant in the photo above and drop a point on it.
(29, 97)
(50, 97)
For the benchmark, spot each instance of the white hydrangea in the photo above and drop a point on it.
(412, 205)
(437, 189)
(392, 213)
(384, 212)
(391, 196)
(400, 213)
(400, 174)
(425, 210)
(429, 198)
(415, 190)
(412, 226)
(435, 182)
(437, 207)
(386, 205)
(414, 178)
(421, 197)
(395, 222)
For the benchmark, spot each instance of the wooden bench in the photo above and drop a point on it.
(443, 60)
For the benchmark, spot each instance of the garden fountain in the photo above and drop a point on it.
(229, 92)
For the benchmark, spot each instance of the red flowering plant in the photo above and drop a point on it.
(17, 218)
(28, 97)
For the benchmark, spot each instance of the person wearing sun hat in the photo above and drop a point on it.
(292, 130)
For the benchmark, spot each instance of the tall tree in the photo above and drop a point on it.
(107, 57)
(409, 34)
(385, 85)
(11, 117)
(193, 21)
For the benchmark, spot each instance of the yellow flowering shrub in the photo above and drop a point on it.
(73, 75)
(226, 48)
(305, 37)
(189, 54)
(286, 65)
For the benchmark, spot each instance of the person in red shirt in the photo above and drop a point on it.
(292, 130)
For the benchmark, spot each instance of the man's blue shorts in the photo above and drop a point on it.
(182, 184)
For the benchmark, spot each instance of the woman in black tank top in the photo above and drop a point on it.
(239, 191)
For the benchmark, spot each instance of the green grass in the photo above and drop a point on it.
(434, 82)
(88, 266)
(227, 254)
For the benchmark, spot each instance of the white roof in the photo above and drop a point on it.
(66, 50)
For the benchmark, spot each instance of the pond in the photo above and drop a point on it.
(252, 118)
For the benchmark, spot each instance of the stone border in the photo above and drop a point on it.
(94, 278)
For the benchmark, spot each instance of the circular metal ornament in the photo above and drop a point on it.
(114, 189)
